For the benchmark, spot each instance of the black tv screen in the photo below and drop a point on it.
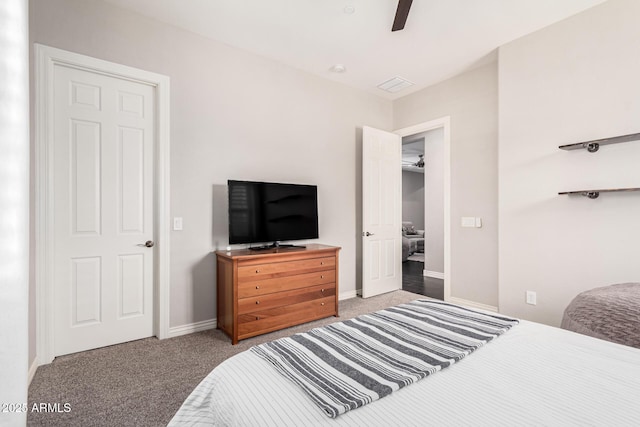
(261, 212)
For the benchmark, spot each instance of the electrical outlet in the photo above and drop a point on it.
(531, 297)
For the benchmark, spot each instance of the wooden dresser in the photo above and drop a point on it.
(263, 291)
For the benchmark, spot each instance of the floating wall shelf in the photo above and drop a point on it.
(593, 194)
(593, 146)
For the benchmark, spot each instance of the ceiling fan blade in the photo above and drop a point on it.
(401, 14)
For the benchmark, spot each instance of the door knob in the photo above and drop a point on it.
(148, 244)
(368, 234)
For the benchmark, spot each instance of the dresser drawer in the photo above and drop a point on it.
(282, 317)
(248, 289)
(265, 302)
(253, 272)
(261, 292)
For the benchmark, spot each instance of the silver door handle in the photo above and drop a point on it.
(148, 244)
(368, 234)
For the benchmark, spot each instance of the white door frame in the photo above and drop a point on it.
(46, 58)
(445, 124)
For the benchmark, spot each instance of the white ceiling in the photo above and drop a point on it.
(442, 38)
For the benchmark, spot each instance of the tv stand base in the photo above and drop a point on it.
(275, 245)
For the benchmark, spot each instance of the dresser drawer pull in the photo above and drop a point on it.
(321, 262)
(257, 271)
(257, 302)
(321, 303)
(257, 287)
(257, 317)
(321, 276)
(321, 290)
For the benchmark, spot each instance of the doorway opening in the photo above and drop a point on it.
(425, 208)
(381, 227)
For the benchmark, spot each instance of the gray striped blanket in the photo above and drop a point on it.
(348, 364)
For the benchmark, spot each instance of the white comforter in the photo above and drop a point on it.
(532, 375)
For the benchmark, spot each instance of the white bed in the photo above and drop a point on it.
(531, 375)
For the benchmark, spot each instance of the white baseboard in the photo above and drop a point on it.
(190, 328)
(434, 274)
(472, 304)
(32, 369)
(347, 295)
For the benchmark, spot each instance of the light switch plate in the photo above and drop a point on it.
(468, 221)
(177, 223)
(531, 297)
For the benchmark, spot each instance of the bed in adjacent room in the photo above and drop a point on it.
(525, 374)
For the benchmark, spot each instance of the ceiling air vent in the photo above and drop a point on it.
(395, 84)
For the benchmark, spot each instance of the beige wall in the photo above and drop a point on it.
(573, 81)
(471, 99)
(234, 115)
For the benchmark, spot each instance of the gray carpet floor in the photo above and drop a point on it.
(143, 383)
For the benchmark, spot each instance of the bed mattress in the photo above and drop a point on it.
(532, 375)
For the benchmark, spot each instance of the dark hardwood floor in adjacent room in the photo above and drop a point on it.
(414, 281)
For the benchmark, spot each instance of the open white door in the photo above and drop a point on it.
(381, 212)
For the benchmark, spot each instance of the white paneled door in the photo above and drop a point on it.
(103, 132)
(382, 209)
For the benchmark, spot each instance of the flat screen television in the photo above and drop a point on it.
(269, 212)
